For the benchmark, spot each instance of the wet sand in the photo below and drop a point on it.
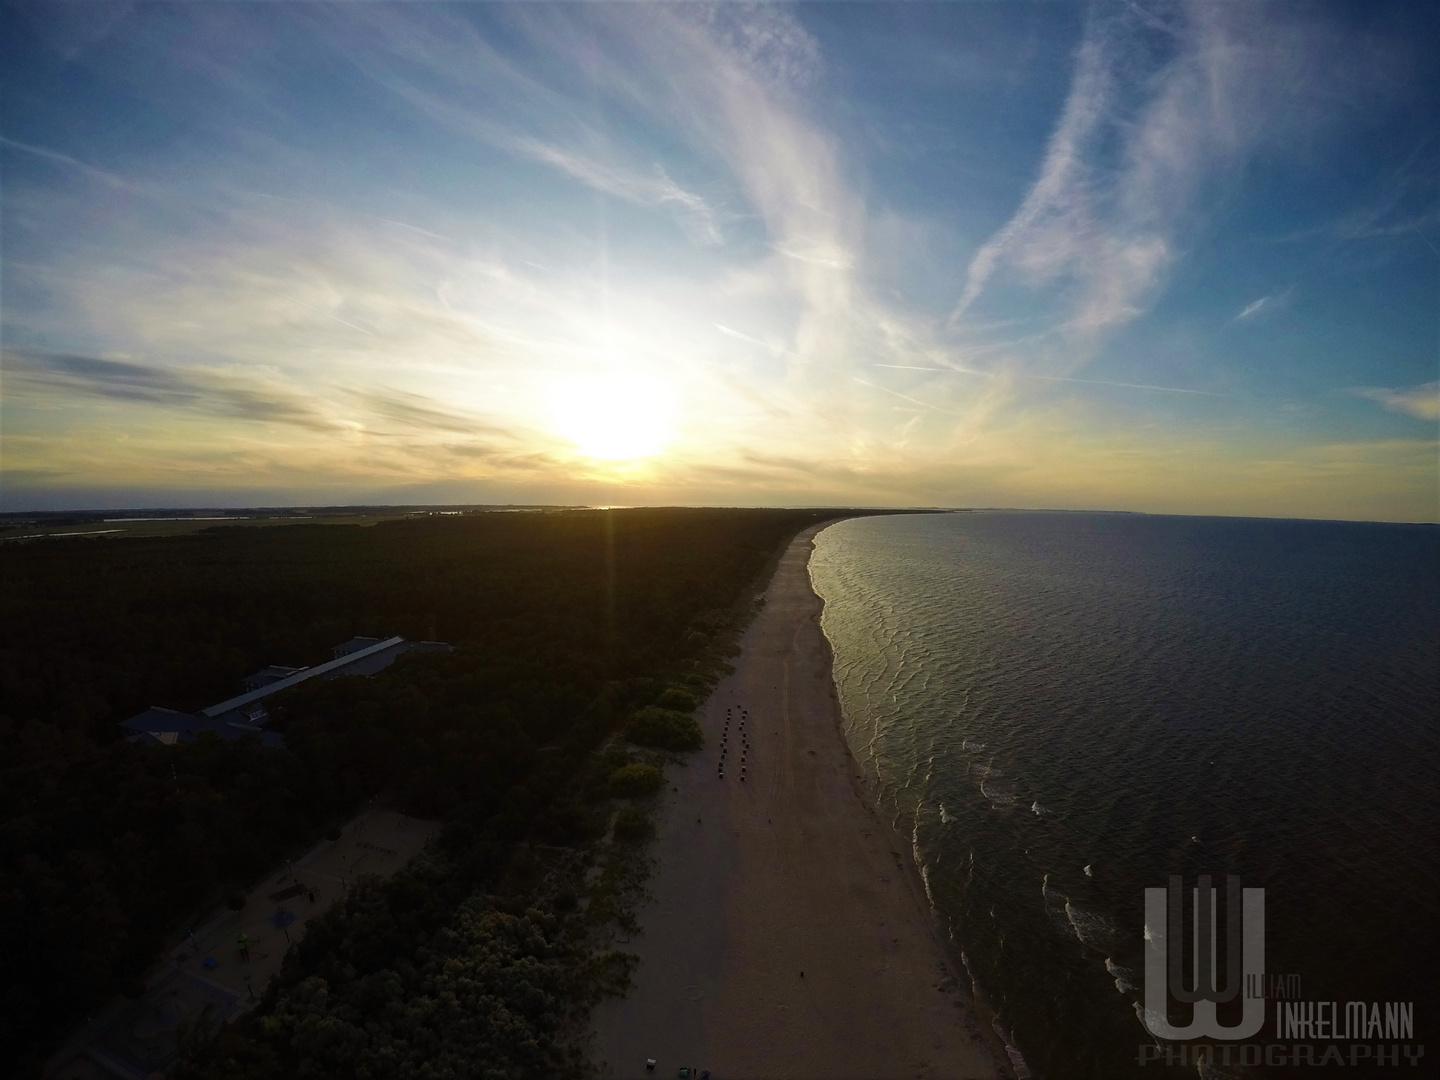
(787, 871)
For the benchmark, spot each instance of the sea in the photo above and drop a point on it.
(1063, 710)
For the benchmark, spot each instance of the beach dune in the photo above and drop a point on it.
(787, 934)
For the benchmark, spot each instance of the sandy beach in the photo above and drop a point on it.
(789, 871)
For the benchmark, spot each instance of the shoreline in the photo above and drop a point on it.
(788, 931)
(1001, 1048)
(867, 791)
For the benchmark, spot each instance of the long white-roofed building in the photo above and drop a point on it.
(246, 714)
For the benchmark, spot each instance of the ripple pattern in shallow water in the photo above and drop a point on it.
(1063, 709)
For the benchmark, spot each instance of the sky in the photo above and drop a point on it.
(1175, 258)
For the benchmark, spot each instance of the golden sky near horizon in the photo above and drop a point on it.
(274, 255)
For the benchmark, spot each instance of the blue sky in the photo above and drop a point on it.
(1166, 257)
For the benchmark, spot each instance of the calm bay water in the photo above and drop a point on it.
(1064, 709)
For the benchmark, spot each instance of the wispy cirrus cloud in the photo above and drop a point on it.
(771, 347)
(831, 258)
(417, 412)
(459, 233)
(1264, 305)
(44, 376)
(194, 390)
(1250, 310)
(1013, 375)
(55, 157)
(1401, 206)
(1054, 206)
(730, 85)
(694, 214)
(734, 82)
(1422, 402)
(1161, 102)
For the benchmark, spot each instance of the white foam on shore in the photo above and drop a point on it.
(1017, 1059)
(867, 732)
(1089, 929)
(1123, 976)
(925, 880)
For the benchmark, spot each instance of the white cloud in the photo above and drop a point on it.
(1141, 133)
(1421, 401)
(65, 159)
(769, 43)
(1265, 305)
(777, 350)
(1046, 220)
(1252, 309)
(692, 212)
(832, 258)
(317, 337)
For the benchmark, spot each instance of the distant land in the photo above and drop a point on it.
(184, 520)
(178, 520)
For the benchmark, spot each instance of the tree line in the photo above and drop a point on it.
(566, 624)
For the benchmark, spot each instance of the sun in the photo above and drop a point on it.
(613, 417)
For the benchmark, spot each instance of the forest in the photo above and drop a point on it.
(567, 624)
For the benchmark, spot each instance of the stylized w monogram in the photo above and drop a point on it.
(1204, 946)
(1164, 956)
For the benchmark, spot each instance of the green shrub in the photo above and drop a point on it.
(664, 728)
(635, 781)
(566, 822)
(633, 824)
(614, 757)
(675, 698)
(643, 691)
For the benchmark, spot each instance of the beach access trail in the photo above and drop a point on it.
(140, 1038)
(789, 871)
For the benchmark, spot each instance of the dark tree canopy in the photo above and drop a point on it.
(565, 623)
(666, 729)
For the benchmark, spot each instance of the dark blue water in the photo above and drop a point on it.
(1064, 709)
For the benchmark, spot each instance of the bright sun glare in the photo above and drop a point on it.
(615, 417)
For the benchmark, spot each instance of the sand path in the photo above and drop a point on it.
(790, 870)
(139, 1038)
